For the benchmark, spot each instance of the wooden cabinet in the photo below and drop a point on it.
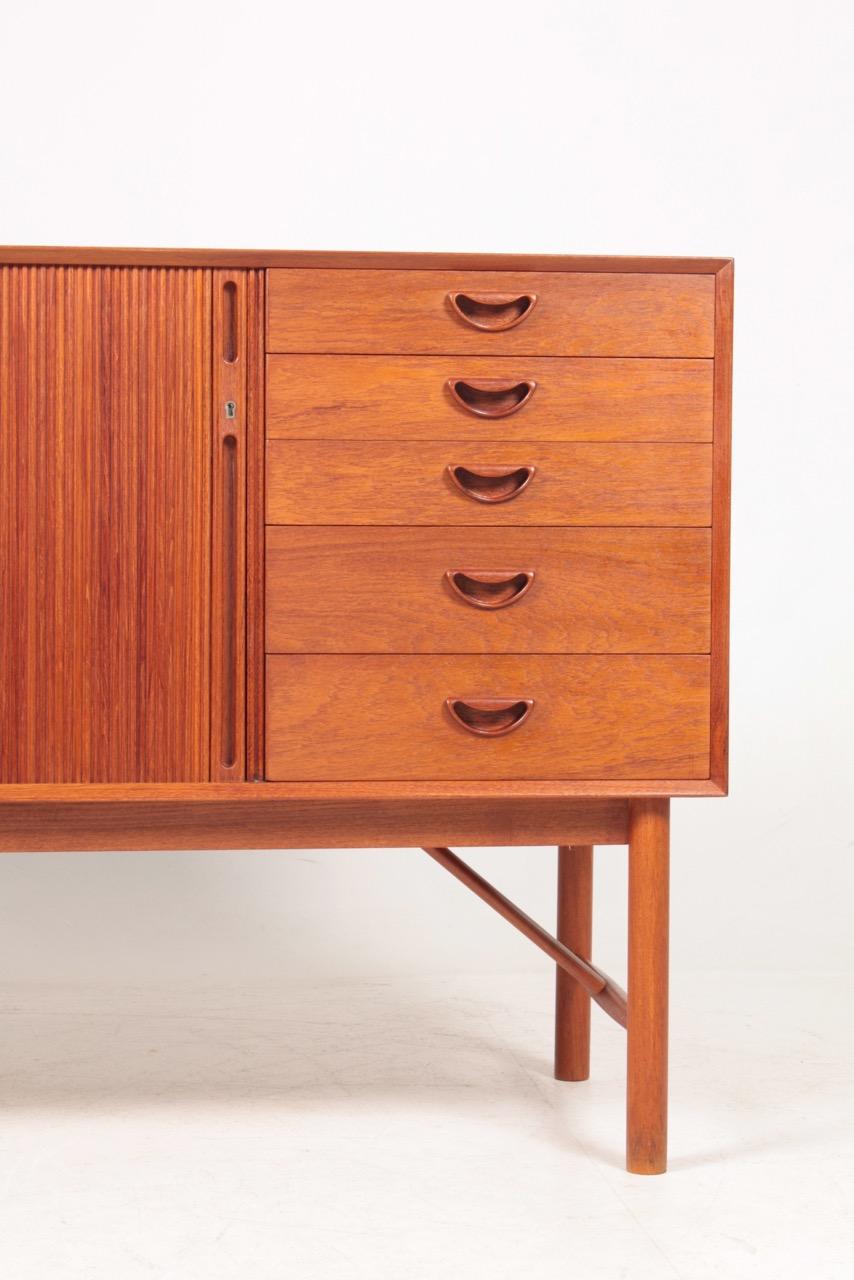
(316, 549)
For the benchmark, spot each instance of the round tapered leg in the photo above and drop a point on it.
(574, 930)
(649, 882)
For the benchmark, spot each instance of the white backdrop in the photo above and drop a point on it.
(566, 127)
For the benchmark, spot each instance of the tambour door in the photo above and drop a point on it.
(121, 523)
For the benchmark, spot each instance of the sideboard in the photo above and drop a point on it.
(347, 550)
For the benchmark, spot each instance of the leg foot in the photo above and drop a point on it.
(649, 878)
(574, 930)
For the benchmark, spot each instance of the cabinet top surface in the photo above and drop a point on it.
(40, 255)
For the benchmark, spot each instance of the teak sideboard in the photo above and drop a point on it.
(346, 550)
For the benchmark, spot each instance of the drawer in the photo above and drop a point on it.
(408, 590)
(487, 397)
(491, 312)
(369, 717)
(458, 483)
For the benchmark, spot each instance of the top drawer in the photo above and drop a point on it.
(491, 312)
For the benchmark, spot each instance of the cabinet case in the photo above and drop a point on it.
(365, 549)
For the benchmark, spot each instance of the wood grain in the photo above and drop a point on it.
(228, 559)
(316, 482)
(574, 930)
(407, 398)
(576, 314)
(151, 794)
(105, 443)
(722, 452)
(369, 590)
(341, 820)
(33, 255)
(649, 891)
(371, 717)
(255, 463)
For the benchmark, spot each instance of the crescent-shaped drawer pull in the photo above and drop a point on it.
(492, 312)
(491, 397)
(489, 717)
(489, 589)
(491, 484)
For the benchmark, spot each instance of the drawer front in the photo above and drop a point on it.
(491, 313)
(368, 717)
(458, 483)
(483, 398)
(398, 590)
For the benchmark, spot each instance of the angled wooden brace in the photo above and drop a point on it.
(607, 994)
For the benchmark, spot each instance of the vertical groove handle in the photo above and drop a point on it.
(229, 322)
(228, 580)
(227, 610)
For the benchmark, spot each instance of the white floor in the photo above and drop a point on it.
(415, 1131)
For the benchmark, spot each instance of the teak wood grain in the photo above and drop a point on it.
(575, 314)
(339, 819)
(408, 398)
(363, 590)
(237, 487)
(372, 717)
(722, 456)
(99, 255)
(255, 463)
(319, 482)
(105, 526)
(574, 930)
(648, 965)
(229, 502)
(190, 795)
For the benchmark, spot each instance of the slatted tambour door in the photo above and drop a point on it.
(105, 525)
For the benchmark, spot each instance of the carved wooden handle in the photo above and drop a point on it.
(492, 311)
(489, 717)
(491, 484)
(489, 589)
(491, 397)
(228, 611)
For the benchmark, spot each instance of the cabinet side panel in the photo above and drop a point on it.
(105, 457)
(721, 451)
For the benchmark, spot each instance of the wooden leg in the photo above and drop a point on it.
(649, 883)
(574, 930)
